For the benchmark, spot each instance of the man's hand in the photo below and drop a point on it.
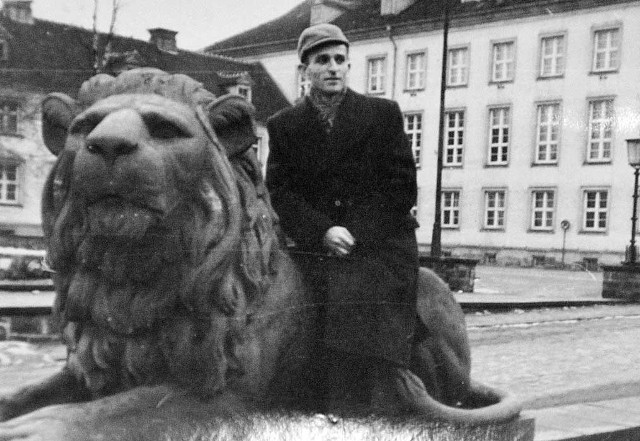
(338, 241)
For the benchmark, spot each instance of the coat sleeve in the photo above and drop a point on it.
(299, 220)
(388, 204)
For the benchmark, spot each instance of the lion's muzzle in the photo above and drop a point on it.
(116, 135)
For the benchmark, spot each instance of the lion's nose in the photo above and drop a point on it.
(117, 134)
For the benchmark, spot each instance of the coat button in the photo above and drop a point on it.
(337, 202)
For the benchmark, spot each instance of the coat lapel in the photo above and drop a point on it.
(351, 124)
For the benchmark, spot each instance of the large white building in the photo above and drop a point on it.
(541, 96)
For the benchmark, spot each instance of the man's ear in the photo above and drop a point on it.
(232, 118)
(58, 110)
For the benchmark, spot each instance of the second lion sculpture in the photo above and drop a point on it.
(178, 303)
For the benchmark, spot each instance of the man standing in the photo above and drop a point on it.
(342, 179)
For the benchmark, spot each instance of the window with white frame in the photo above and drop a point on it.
(494, 209)
(458, 71)
(9, 180)
(454, 138)
(413, 129)
(450, 209)
(547, 133)
(376, 68)
(552, 55)
(8, 117)
(600, 130)
(606, 50)
(595, 210)
(503, 61)
(302, 84)
(542, 209)
(416, 69)
(499, 122)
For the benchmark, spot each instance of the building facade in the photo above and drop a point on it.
(38, 57)
(540, 98)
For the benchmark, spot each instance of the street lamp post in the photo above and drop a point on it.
(436, 245)
(633, 151)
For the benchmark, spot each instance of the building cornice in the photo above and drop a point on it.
(464, 19)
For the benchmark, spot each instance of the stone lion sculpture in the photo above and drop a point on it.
(178, 303)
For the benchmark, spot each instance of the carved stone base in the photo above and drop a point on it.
(323, 427)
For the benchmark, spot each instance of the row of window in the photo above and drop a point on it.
(547, 133)
(595, 209)
(552, 62)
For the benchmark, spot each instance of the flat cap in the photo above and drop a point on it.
(318, 35)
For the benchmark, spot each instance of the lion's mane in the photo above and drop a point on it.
(145, 298)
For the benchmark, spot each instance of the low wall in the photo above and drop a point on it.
(621, 282)
(458, 272)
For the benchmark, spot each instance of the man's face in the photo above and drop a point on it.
(327, 68)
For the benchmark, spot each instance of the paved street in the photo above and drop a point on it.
(559, 356)
(510, 283)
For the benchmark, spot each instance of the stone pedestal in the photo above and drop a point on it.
(621, 281)
(321, 427)
(458, 272)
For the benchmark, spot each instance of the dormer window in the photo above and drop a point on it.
(164, 39)
(18, 10)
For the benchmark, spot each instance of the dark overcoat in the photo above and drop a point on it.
(360, 175)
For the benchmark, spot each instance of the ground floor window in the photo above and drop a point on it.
(494, 209)
(542, 209)
(595, 210)
(9, 178)
(450, 208)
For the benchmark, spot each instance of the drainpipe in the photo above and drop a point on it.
(395, 56)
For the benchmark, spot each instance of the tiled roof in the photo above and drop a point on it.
(283, 29)
(50, 56)
(366, 21)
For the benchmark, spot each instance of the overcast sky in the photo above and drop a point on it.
(198, 22)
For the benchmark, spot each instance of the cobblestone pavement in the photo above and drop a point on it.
(22, 362)
(561, 356)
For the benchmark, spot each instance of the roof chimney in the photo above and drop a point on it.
(18, 10)
(325, 11)
(393, 7)
(164, 39)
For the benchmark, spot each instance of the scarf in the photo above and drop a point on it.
(326, 105)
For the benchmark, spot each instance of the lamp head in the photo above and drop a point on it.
(633, 152)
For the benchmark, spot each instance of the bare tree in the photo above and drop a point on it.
(100, 55)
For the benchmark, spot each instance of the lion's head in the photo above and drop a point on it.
(144, 214)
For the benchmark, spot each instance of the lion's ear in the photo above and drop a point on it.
(58, 110)
(232, 118)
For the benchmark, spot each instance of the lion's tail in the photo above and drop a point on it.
(485, 404)
(439, 384)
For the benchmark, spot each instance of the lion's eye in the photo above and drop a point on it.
(162, 128)
(84, 126)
